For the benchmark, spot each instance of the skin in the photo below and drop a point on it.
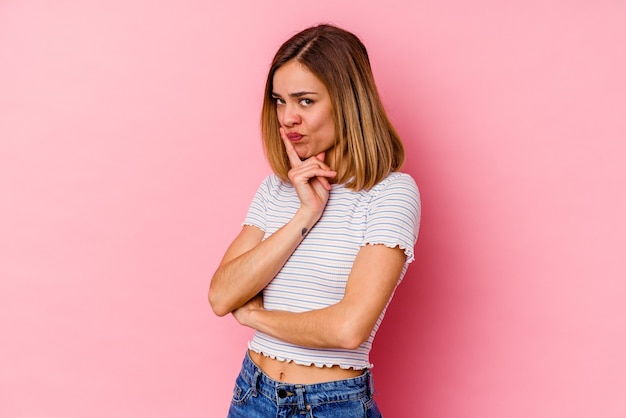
(304, 106)
(250, 263)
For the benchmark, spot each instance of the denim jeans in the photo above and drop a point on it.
(257, 396)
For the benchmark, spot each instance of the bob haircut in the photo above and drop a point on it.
(367, 147)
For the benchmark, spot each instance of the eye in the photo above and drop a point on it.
(278, 100)
(306, 102)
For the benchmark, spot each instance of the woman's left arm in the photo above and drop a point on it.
(346, 324)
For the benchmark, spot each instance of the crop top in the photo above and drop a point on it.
(316, 274)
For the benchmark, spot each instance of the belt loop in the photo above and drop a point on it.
(255, 381)
(300, 393)
(370, 384)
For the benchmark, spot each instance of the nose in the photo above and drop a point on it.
(288, 115)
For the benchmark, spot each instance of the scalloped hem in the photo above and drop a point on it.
(410, 256)
(251, 224)
(308, 364)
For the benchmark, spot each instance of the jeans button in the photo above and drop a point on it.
(282, 393)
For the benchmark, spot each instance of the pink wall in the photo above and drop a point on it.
(129, 151)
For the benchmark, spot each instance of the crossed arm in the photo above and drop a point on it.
(250, 263)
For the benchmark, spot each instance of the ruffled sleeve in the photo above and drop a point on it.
(257, 211)
(394, 213)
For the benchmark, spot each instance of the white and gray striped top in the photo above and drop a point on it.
(315, 275)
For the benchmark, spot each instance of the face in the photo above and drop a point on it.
(304, 110)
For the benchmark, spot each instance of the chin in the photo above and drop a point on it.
(303, 153)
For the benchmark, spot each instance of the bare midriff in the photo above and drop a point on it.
(290, 372)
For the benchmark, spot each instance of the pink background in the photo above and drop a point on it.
(129, 151)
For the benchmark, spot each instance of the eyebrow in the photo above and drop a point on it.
(296, 94)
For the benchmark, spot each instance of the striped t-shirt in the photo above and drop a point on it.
(315, 275)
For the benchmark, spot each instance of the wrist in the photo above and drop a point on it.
(249, 318)
(305, 220)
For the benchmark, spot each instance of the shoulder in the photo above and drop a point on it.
(271, 180)
(272, 184)
(397, 196)
(394, 213)
(397, 184)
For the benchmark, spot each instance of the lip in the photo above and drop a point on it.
(294, 136)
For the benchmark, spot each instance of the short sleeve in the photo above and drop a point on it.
(256, 215)
(394, 213)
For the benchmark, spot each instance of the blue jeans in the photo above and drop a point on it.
(257, 396)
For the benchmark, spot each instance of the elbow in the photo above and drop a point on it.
(219, 311)
(217, 299)
(350, 336)
(350, 344)
(219, 308)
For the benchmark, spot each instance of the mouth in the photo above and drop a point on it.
(294, 136)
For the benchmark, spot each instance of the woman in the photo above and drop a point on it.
(327, 237)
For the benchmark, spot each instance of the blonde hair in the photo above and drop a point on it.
(367, 147)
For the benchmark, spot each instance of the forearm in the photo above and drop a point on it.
(331, 327)
(240, 277)
(345, 324)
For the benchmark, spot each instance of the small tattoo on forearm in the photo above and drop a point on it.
(304, 231)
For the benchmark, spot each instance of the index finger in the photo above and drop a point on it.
(294, 159)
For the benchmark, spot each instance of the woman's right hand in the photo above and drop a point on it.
(251, 261)
(310, 178)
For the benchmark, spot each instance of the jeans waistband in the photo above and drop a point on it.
(296, 394)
